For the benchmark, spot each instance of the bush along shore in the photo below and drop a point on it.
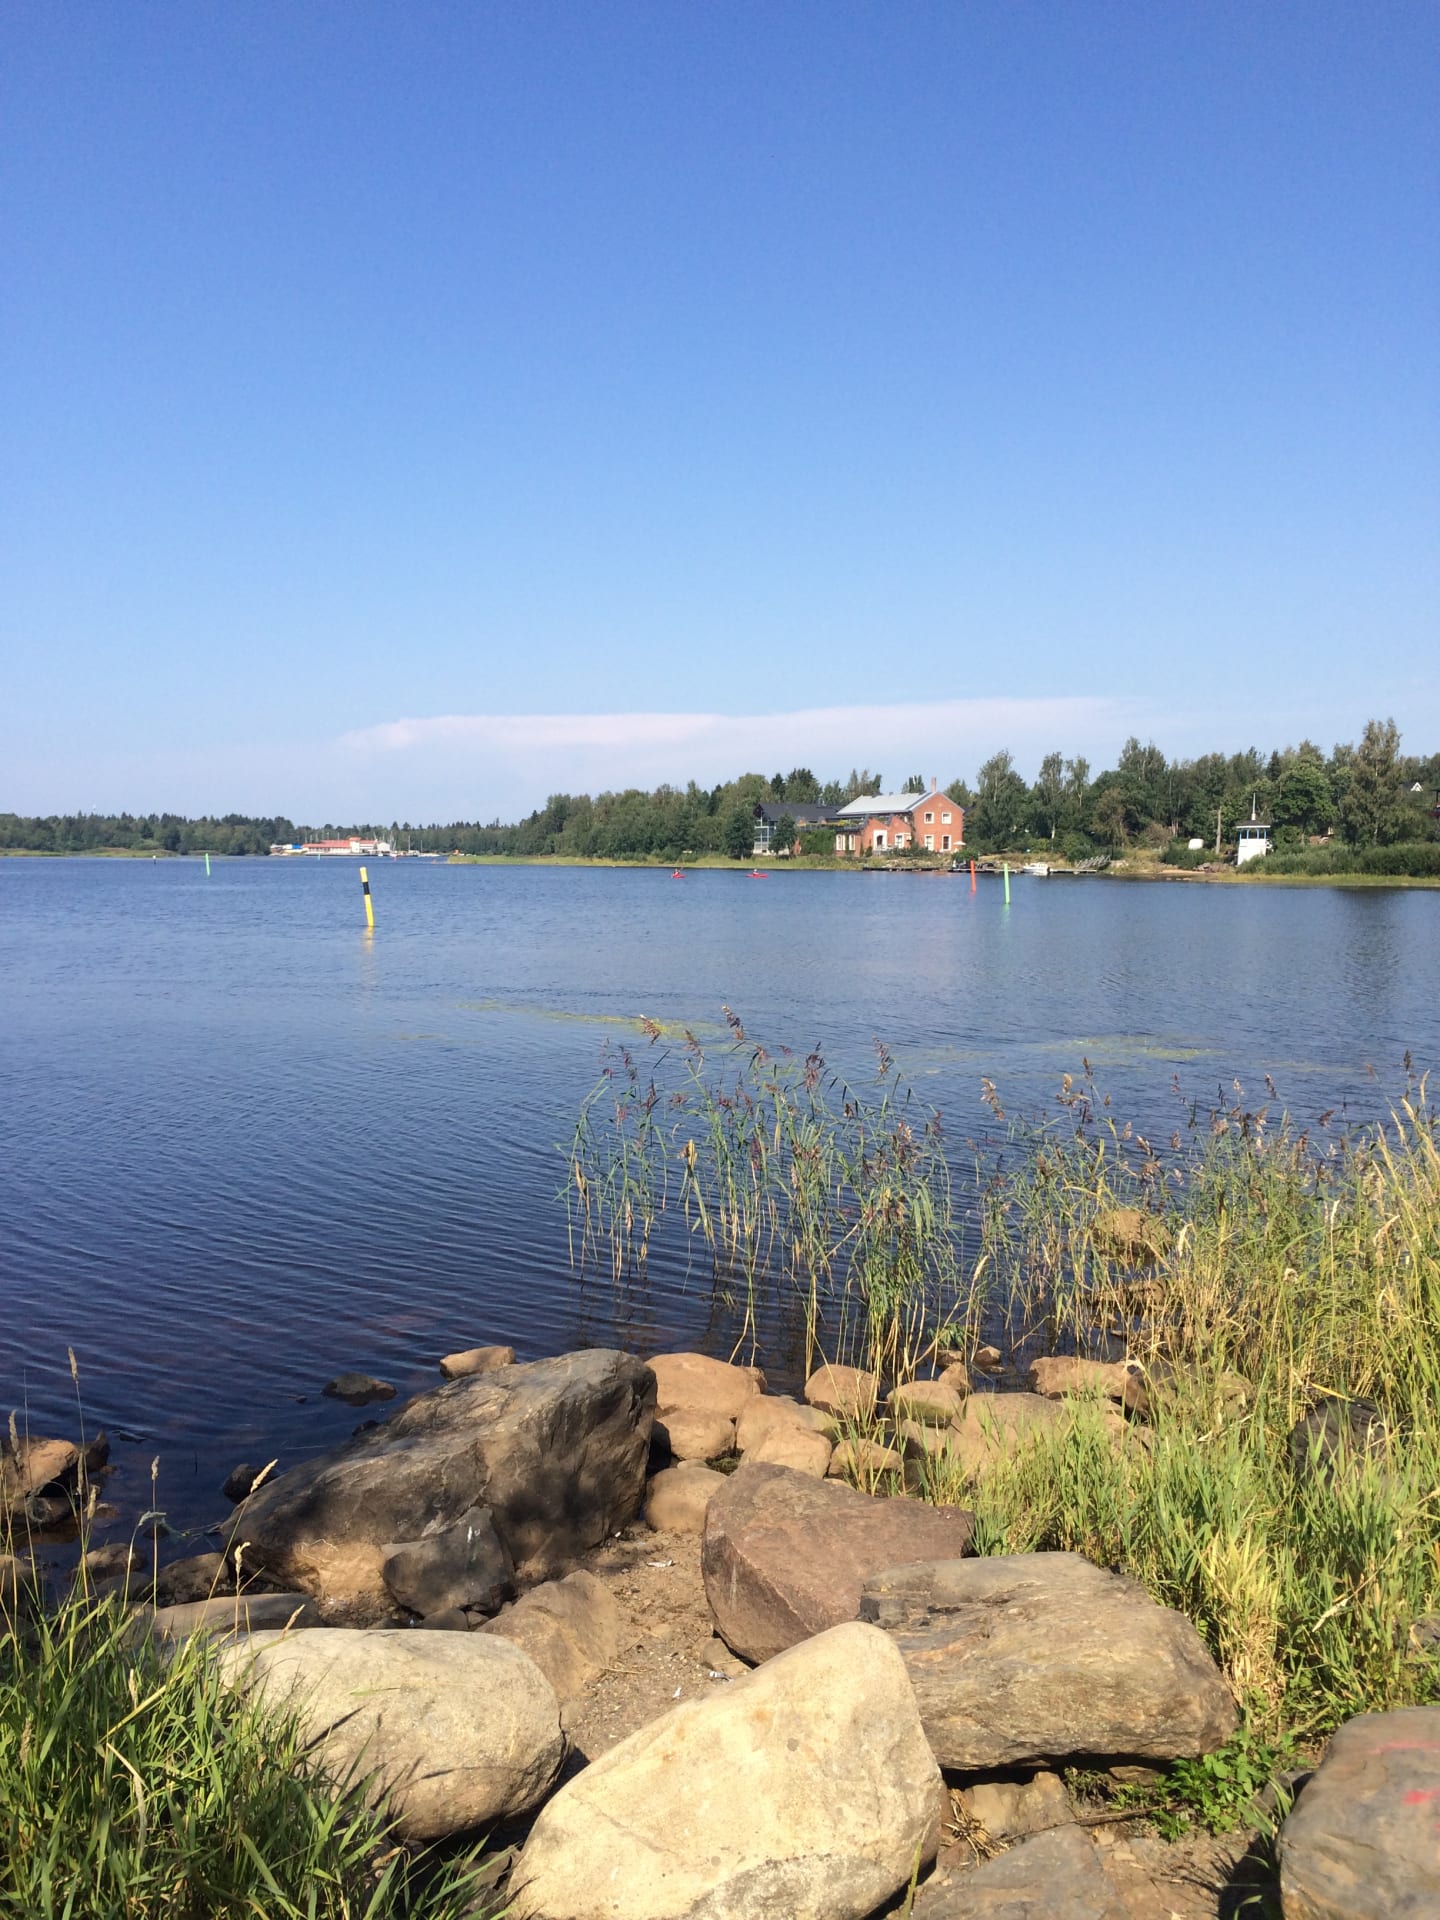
(1117, 1593)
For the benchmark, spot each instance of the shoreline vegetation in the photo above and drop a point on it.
(1225, 1347)
(1274, 1293)
(1360, 801)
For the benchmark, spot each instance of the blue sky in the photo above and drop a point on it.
(412, 410)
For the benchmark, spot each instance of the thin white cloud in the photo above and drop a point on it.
(699, 744)
(484, 766)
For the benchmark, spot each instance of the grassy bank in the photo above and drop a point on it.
(1280, 1292)
(136, 1788)
(1286, 1492)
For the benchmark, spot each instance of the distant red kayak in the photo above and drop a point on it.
(755, 874)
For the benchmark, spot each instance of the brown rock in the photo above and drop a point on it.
(695, 1383)
(573, 1629)
(863, 1462)
(1362, 1841)
(989, 1359)
(956, 1375)
(1054, 1876)
(1024, 1659)
(793, 1447)
(34, 1466)
(695, 1435)
(676, 1500)
(103, 1563)
(1127, 1234)
(785, 1555)
(997, 1425)
(768, 1411)
(1057, 1376)
(930, 1401)
(456, 1366)
(848, 1392)
(917, 1441)
(1011, 1809)
(357, 1389)
(556, 1449)
(199, 1577)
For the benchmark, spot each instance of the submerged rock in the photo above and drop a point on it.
(357, 1389)
(455, 1366)
(1129, 1235)
(555, 1449)
(805, 1790)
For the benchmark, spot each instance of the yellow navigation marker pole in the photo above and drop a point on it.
(369, 904)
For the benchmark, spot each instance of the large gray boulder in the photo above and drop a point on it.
(1054, 1876)
(556, 1450)
(448, 1730)
(1032, 1658)
(1362, 1842)
(785, 1555)
(804, 1790)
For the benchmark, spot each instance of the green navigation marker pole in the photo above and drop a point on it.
(1007, 882)
(207, 866)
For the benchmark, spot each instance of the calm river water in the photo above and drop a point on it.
(243, 1146)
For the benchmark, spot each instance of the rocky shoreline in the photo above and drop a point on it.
(658, 1630)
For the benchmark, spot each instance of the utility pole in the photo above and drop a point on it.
(1219, 816)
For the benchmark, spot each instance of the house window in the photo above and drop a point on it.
(929, 819)
(930, 842)
(944, 843)
(945, 818)
(880, 839)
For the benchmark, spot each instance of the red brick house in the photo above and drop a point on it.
(900, 822)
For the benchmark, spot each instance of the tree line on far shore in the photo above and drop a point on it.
(1365, 795)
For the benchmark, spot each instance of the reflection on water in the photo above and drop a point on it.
(246, 1145)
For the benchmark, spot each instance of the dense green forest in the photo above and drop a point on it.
(1369, 795)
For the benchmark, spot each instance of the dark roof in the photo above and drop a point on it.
(804, 814)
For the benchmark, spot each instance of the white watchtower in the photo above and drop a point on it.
(1252, 840)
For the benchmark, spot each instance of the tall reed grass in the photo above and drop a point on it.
(826, 1199)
